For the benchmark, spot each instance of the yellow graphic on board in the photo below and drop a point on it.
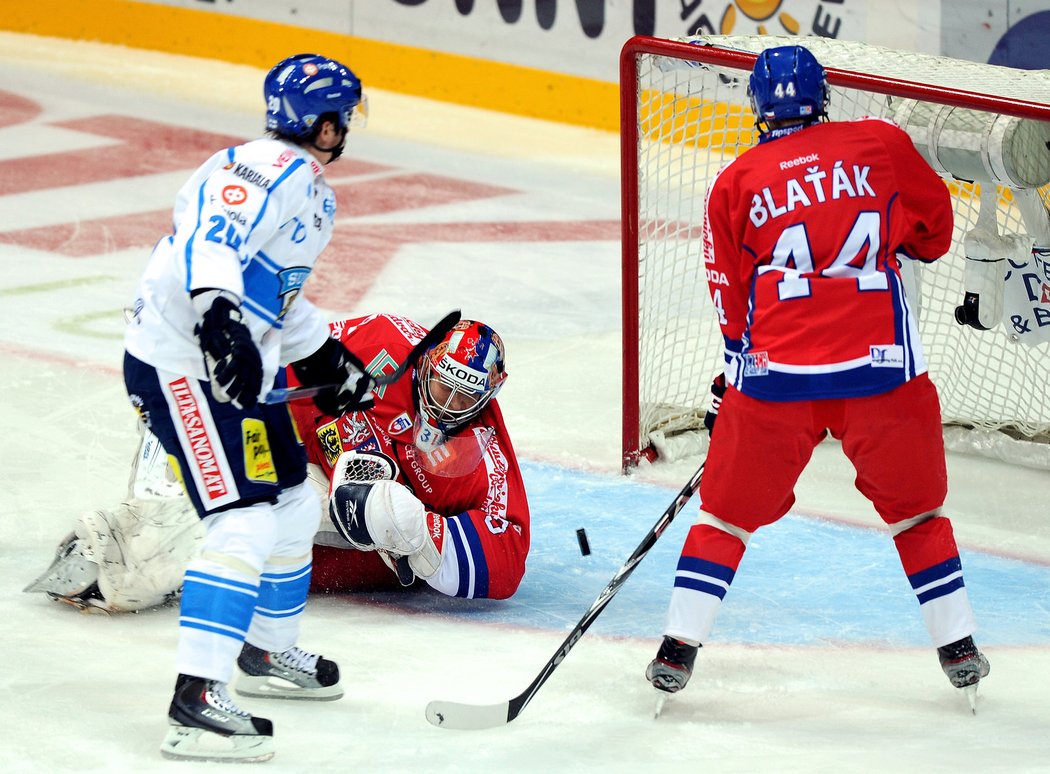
(760, 11)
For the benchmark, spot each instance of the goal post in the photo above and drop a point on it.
(685, 113)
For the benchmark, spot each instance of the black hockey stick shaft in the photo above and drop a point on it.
(455, 715)
(432, 337)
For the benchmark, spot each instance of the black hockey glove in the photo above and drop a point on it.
(718, 391)
(231, 358)
(334, 364)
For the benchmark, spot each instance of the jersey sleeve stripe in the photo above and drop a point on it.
(473, 569)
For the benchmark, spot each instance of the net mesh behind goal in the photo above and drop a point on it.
(686, 112)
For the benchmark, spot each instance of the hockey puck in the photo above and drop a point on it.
(585, 547)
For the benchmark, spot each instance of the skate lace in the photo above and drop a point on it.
(296, 659)
(217, 696)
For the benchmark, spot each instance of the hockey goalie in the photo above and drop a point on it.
(430, 466)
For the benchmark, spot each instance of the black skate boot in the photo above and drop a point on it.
(673, 665)
(205, 724)
(965, 667)
(289, 674)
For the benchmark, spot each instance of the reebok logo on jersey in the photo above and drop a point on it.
(436, 528)
(800, 160)
(889, 356)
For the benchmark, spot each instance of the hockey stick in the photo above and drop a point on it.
(450, 714)
(432, 337)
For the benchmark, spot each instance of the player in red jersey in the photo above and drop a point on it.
(458, 491)
(802, 237)
(459, 503)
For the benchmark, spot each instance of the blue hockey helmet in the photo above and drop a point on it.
(787, 82)
(302, 88)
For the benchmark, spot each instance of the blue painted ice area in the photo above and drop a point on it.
(802, 580)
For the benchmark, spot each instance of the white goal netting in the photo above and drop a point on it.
(691, 116)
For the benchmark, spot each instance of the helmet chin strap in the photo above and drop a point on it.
(336, 150)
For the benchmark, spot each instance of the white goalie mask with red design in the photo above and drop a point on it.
(455, 380)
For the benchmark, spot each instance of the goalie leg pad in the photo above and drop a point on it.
(384, 515)
(153, 541)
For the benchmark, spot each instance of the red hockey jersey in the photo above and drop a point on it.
(486, 509)
(801, 240)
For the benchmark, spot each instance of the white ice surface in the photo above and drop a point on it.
(89, 693)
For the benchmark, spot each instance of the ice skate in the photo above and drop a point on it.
(289, 674)
(205, 724)
(965, 667)
(670, 670)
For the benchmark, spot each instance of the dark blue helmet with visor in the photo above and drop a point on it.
(302, 88)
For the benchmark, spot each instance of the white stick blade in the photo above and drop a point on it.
(467, 717)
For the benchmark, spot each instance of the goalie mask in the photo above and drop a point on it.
(455, 380)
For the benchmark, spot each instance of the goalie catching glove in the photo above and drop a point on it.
(231, 359)
(386, 516)
(334, 364)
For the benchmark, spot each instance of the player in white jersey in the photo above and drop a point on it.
(219, 311)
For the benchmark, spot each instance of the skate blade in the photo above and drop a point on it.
(198, 744)
(278, 688)
(661, 700)
(971, 696)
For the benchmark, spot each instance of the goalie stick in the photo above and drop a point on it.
(432, 337)
(451, 714)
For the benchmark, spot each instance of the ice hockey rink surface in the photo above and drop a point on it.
(819, 660)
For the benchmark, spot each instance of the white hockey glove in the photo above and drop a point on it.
(386, 516)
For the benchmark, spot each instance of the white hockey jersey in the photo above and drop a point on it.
(251, 220)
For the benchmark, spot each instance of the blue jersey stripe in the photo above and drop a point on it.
(941, 590)
(204, 626)
(935, 573)
(462, 558)
(468, 551)
(217, 603)
(683, 582)
(266, 612)
(705, 567)
(477, 553)
(233, 585)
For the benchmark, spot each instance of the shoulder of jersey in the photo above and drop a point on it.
(392, 330)
(879, 124)
(274, 159)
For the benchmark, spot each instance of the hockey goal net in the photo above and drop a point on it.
(685, 112)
